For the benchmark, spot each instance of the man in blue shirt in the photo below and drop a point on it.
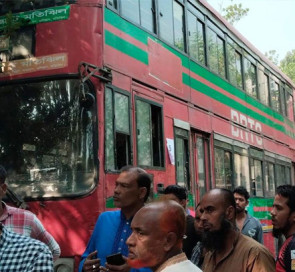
(112, 228)
(246, 223)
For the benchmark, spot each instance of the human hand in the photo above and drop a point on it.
(92, 263)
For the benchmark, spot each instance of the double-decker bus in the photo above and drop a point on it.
(88, 86)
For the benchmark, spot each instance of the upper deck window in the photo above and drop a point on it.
(140, 12)
(264, 88)
(196, 38)
(171, 22)
(235, 64)
(289, 103)
(216, 52)
(275, 95)
(250, 78)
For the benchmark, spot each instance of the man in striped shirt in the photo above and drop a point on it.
(24, 222)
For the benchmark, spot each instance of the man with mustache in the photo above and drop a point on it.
(283, 221)
(228, 249)
(113, 227)
(156, 239)
(246, 223)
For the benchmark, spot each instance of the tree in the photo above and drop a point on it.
(287, 65)
(234, 12)
(273, 56)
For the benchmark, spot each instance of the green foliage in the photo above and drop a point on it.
(234, 13)
(273, 56)
(287, 65)
(12, 25)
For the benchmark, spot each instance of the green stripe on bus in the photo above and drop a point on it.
(140, 35)
(126, 47)
(203, 72)
(133, 31)
(200, 87)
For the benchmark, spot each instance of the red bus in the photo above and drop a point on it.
(88, 86)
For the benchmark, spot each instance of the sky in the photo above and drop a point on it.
(269, 24)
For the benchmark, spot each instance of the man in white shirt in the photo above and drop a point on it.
(156, 239)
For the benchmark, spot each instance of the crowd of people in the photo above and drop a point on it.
(160, 236)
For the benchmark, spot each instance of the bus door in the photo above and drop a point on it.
(201, 163)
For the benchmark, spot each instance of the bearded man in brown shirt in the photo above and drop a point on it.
(228, 249)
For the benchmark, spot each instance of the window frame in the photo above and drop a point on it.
(114, 131)
(161, 136)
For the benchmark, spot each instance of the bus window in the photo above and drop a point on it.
(149, 134)
(140, 12)
(223, 168)
(182, 157)
(275, 95)
(289, 104)
(283, 174)
(117, 129)
(241, 174)
(269, 179)
(264, 88)
(196, 38)
(256, 177)
(178, 25)
(250, 78)
(216, 51)
(171, 22)
(234, 64)
(47, 138)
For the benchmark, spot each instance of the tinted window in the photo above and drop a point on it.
(250, 78)
(196, 38)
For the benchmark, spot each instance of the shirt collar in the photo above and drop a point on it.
(173, 260)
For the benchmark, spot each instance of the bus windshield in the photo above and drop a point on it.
(47, 138)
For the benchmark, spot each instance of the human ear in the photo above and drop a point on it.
(143, 192)
(170, 241)
(4, 187)
(230, 212)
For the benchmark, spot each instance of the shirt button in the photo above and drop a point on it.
(124, 230)
(119, 248)
(122, 240)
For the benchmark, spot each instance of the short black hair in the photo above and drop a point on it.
(242, 191)
(3, 174)
(179, 191)
(287, 191)
(143, 179)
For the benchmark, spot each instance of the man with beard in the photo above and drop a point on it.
(246, 223)
(283, 221)
(228, 249)
(112, 228)
(156, 239)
